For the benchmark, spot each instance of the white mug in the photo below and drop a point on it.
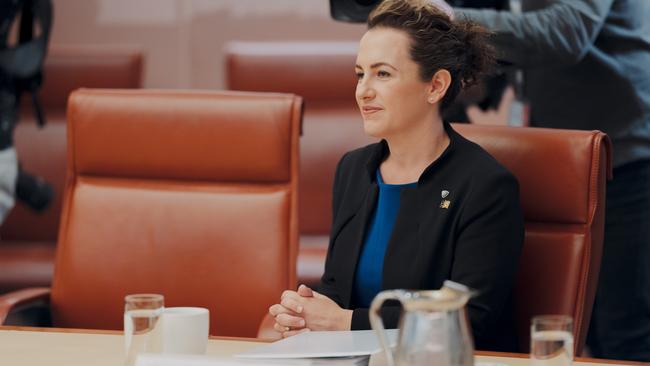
(184, 330)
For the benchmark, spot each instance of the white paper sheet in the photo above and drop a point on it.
(322, 344)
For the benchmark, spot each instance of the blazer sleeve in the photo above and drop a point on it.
(328, 281)
(488, 246)
(390, 315)
(558, 35)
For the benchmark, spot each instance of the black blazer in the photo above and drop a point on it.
(475, 238)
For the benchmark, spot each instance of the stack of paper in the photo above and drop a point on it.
(322, 344)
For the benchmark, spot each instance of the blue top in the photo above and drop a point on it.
(368, 277)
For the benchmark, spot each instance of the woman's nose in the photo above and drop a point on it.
(364, 90)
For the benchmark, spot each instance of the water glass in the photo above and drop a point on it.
(141, 315)
(551, 340)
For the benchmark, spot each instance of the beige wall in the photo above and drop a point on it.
(183, 39)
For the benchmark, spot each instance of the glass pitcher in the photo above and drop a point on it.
(434, 330)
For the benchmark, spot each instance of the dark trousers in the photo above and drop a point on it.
(620, 324)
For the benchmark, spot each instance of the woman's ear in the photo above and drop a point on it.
(438, 86)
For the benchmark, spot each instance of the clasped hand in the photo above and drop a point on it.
(305, 310)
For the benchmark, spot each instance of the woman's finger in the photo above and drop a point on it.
(287, 293)
(280, 328)
(292, 304)
(287, 320)
(294, 332)
(277, 309)
(305, 291)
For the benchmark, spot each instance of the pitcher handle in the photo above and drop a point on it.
(377, 323)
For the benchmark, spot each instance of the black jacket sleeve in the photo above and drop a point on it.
(389, 314)
(328, 282)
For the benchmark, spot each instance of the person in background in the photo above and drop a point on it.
(586, 65)
(22, 53)
(423, 205)
(8, 175)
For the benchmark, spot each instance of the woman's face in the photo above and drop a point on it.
(390, 94)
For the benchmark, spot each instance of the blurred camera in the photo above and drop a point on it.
(353, 11)
(32, 190)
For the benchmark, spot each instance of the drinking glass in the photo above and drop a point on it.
(141, 314)
(551, 340)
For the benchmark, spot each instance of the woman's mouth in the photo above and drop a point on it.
(370, 109)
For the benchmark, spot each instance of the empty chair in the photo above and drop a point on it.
(187, 194)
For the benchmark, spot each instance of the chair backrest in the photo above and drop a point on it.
(562, 176)
(320, 72)
(323, 73)
(187, 194)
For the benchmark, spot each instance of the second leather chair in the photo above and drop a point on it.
(191, 195)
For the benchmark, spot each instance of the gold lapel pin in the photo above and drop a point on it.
(444, 203)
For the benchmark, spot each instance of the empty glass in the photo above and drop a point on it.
(551, 340)
(141, 314)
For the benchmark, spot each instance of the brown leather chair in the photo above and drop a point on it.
(28, 238)
(322, 73)
(187, 194)
(562, 176)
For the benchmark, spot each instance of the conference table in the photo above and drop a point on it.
(70, 347)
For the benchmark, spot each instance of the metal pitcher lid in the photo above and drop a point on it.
(452, 296)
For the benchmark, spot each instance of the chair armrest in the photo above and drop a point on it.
(266, 331)
(14, 299)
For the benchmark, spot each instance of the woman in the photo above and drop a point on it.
(424, 204)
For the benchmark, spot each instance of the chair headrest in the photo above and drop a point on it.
(235, 136)
(557, 169)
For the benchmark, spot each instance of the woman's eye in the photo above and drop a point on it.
(359, 75)
(383, 74)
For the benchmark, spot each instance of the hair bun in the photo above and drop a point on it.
(479, 54)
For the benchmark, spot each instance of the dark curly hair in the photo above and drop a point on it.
(437, 42)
